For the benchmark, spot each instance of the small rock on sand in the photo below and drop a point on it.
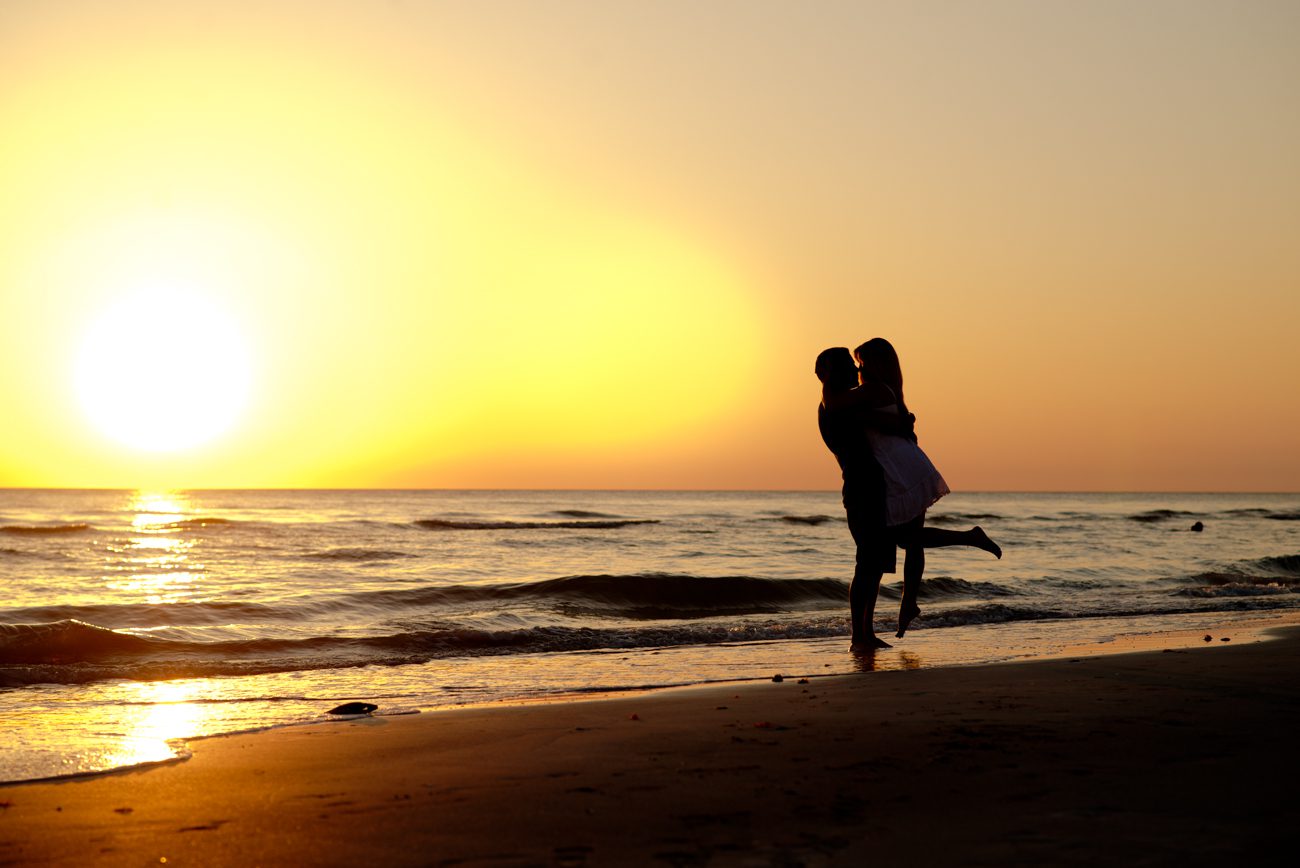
(353, 708)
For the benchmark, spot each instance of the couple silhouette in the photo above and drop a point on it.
(889, 482)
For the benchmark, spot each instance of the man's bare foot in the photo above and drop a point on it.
(906, 614)
(860, 646)
(987, 544)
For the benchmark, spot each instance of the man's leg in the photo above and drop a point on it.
(862, 607)
(867, 573)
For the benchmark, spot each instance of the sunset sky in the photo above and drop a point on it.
(598, 244)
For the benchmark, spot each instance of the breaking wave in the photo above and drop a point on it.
(44, 529)
(1270, 576)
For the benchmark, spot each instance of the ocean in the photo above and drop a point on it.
(135, 620)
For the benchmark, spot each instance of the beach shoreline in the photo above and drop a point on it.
(1149, 757)
(789, 658)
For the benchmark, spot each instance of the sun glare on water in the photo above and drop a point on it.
(163, 372)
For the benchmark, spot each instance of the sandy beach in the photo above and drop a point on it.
(1174, 757)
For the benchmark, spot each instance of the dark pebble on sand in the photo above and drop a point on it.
(778, 677)
(353, 708)
(803, 680)
(1225, 639)
(1198, 527)
(1209, 638)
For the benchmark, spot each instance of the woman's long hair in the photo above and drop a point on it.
(879, 361)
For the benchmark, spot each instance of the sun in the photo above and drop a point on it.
(163, 371)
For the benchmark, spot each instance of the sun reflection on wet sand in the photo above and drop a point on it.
(154, 716)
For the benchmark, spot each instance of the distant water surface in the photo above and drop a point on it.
(132, 619)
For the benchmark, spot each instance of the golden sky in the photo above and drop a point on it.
(598, 244)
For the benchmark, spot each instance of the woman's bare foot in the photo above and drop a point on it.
(906, 614)
(985, 543)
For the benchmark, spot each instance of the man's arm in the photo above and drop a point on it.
(890, 423)
(864, 400)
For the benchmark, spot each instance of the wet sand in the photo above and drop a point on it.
(1183, 757)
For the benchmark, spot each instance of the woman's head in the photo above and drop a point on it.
(835, 369)
(877, 361)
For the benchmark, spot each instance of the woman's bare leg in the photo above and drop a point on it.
(914, 565)
(936, 538)
(913, 569)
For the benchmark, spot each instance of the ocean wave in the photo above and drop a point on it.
(76, 652)
(1156, 515)
(642, 596)
(1274, 566)
(992, 613)
(960, 517)
(940, 587)
(198, 522)
(602, 524)
(583, 513)
(1284, 564)
(43, 529)
(1262, 512)
(359, 555)
(1261, 577)
(66, 641)
(638, 597)
(806, 519)
(1072, 584)
(149, 615)
(1240, 589)
(1160, 515)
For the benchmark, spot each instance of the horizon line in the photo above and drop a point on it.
(664, 490)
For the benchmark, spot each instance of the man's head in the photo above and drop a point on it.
(835, 369)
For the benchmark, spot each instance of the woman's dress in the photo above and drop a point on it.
(912, 483)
